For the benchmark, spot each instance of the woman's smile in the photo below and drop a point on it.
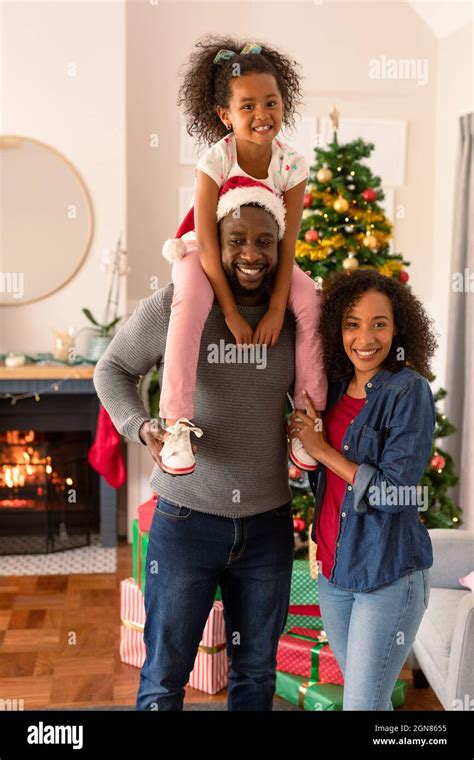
(366, 354)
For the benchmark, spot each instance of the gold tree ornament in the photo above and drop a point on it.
(350, 263)
(324, 175)
(370, 241)
(341, 205)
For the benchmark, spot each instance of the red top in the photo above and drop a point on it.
(336, 422)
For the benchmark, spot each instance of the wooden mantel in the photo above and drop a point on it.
(47, 372)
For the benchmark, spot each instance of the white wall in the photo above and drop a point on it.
(83, 117)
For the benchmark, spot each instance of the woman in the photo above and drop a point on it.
(372, 446)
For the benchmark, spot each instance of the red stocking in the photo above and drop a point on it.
(105, 455)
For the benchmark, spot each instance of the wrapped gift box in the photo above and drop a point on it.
(146, 512)
(139, 549)
(210, 669)
(304, 616)
(132, 614)
(306, 652)
(304, 588)
(309, 695)
(210, 672)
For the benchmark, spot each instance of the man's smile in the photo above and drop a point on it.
(250, 272)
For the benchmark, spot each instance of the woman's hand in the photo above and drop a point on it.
(269, 327)
(239, 328)
(308, 427)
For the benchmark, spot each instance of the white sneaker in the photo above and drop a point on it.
(177, 456)
(300, 457)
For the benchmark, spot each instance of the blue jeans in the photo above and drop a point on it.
(371, 634)
(189, 553)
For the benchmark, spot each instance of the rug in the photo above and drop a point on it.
(88, 559)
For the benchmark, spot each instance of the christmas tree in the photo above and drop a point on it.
(439, 476)
(343, 225)
(302, 503)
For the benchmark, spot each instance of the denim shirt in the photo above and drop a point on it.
(380, 536)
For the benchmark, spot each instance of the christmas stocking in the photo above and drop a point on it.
(105, 455)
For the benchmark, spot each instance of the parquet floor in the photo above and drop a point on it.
(59, 643)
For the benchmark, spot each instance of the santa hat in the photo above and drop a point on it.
(235, 192)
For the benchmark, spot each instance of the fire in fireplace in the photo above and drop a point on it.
(46, 492)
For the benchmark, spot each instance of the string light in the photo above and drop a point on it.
(34, 394)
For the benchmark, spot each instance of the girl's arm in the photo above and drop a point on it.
(205, 206)
(269, 327)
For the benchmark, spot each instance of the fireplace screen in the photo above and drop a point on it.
(45, 491)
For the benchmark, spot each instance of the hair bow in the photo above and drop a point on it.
(225, 55)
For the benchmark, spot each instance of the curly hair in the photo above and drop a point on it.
(414, 327)
(206, 85)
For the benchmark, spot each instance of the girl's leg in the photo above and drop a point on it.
(192, 302)
(383, 627)
(305, 301)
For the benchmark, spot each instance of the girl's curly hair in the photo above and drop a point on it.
(206, 84)
(414, 327)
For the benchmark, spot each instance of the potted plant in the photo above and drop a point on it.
(114, 262)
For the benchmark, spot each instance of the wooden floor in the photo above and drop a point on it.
(59, 642)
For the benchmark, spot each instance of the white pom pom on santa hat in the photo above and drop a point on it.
(174, 249)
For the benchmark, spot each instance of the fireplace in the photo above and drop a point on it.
(51, 499)
(46, 492)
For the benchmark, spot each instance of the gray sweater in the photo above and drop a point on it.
(242, 457)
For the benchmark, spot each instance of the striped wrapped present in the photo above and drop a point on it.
(211, 665)
(132, 614)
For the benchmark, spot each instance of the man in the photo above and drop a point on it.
(229, 522)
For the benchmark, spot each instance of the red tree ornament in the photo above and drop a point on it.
(298, 524)
(369, 194)
(308, 199)
(438, 462)
(311, 236)
(403, 276)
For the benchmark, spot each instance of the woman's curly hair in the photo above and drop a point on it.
(414, 327)
(206, 84)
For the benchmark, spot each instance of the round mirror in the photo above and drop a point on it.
(46, 220)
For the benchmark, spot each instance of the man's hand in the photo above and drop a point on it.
(154, 436)
(239, 328)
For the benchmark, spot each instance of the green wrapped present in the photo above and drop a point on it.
(139, 550)
(304, 588)
(311, 695)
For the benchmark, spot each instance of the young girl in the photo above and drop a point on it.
(236, 96)
(374, 553)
